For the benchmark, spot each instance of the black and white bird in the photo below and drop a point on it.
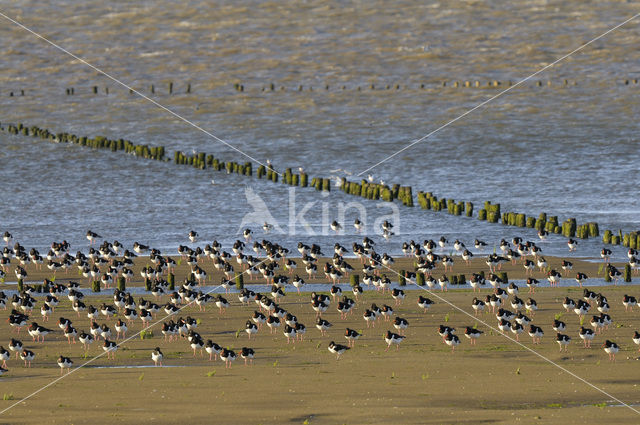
(401, 324)
(337, 349)
(64, 363)
(212, 349)
(452, 341)
(4, 356)
(424, 303)
(323, 326)
(27, 356)
(247, 354)
(563, 341)
(250, 328)
(611, 348)
(472, 334)
(85, 339)
(636, 338)
(227, 356)
(393, 338)
(629, 302)
(15, 346)
(586, 335)
(110, 347)
(156, 356)
(536, 334)
(92, 236)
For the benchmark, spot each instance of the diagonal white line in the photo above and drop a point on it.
(116, 80)
(117, 345)
(480, 105)
(511, 339)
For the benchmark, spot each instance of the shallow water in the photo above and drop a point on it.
(568, 150)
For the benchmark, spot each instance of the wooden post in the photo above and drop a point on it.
(354, 280)
(121, 283)
(171, 280)
(627, 273)
(95, 286)
(402, 280)
(239, 280)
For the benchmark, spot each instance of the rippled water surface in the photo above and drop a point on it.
(567, 149)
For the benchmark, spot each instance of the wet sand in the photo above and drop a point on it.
(423, 382)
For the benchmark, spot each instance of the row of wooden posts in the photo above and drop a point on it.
(70, 91)
(99, 142)
(490, 212)
(494, 84)
(272, 87)
(630, 240)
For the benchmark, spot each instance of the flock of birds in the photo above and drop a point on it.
(110, 260)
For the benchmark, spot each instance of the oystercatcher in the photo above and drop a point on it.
(250, 328)
(536, 333)
(580, 278)
(452, 341)
(401, 324)
(393, 338)
(611, 348)
(337, 349)
(156, 356)
(15, 346)
(37, 331)
(472, 334)
(323, 326)
(477, 305)
(4, 356)
(586, 335)
(559, 326)
(563, 341)
(351, 336)
(64, 363)
(629, 302)
(110, 347)
(213, 349)
(92, 236)
(85, 339)
(227, 356)
(636, 338)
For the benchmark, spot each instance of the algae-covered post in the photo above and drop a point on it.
(627, 273)
(239, 280)
(402, 280)
(121, 284)
(469, 209)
